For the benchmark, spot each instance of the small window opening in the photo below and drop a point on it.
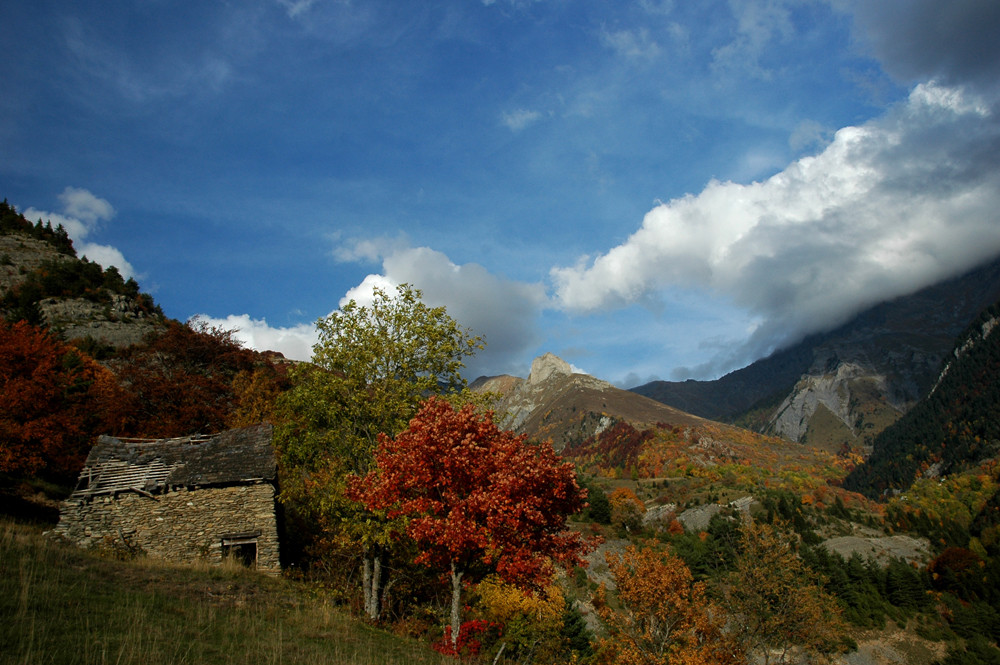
(242, 548)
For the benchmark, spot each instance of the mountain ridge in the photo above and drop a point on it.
(555, 403)
(858, 378)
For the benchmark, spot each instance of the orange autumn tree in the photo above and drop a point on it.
(776, 600)
(664, 617)
(478, 499)
(54, 400)
(626, 509)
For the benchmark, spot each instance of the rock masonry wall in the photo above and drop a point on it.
(184, 525)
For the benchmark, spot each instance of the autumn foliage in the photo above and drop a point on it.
(54, 400)
(181, 381)
(665, 617)
(626, 509)
(478, 499)
(532, 622)
(777, 601)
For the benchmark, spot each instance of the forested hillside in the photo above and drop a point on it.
(84, 352)
(954, 428)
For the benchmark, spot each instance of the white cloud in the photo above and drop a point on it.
(293, 342)
(635, 44)
(146, 79)
(369, 250)
(81, 204)
(82, 215)
(296, 7)
(364, 293)
(808, 134)
(107, 256)
(520, 118)
(888, 207)
(758, 23)
(505, 312)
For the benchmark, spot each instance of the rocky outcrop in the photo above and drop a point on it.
(118, 323)
(20, 254)
(834, 390)
(548, 366)
(109, 318)
(881, 548)
(549, 374)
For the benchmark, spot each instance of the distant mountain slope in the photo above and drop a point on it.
(554, 403)
(844, 386)
(43, 282)
(958, 424)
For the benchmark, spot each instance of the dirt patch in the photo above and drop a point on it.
(882, 549)
(893, 646)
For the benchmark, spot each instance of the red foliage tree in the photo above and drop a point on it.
(181, 381)
(479, 499)
(54, 400)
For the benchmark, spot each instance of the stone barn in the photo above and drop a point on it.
(184, 499)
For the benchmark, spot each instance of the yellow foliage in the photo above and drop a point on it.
(502, 602)
(532, 622)
(623, 496)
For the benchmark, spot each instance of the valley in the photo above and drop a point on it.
(865, 456)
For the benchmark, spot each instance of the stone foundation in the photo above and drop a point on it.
(184, 525)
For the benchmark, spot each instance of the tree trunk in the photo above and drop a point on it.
(371, 581)
(366, 584)
(376, 608)
(456, 604)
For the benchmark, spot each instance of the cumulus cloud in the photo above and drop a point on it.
(886, 208)
(369, 250)
(83, 205)
(504, 312)
(293, 342)
(82, 214)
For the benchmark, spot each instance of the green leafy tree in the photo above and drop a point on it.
(371, 368)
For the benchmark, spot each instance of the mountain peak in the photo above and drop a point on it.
(546, 366)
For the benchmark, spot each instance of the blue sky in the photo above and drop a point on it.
(648, 189)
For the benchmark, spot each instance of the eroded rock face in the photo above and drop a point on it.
(547, 366)
(548, 372)
(118, 323)
(832, 390)
(20, 254)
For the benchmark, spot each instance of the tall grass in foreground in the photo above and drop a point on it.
(62, 605)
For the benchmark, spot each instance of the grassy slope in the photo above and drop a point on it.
(63, 605)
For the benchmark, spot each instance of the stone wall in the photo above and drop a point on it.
(182, 525)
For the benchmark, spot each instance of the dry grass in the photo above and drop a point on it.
(62, 605)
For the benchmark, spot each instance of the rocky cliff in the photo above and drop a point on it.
(31, 269)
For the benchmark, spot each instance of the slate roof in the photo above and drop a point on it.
(151, 466)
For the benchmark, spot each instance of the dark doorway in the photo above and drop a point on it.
(241, 547)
